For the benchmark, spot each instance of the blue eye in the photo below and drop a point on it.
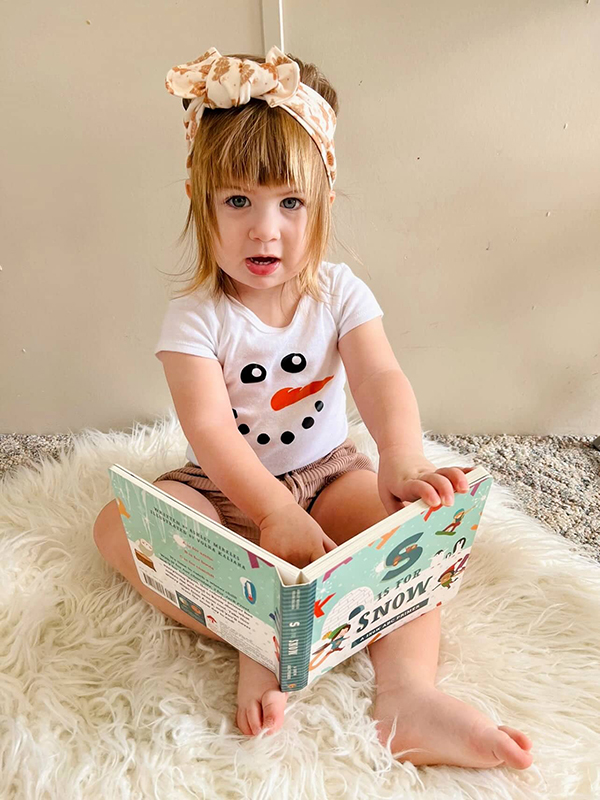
(236, 197)
(243, 197)
(295, 200)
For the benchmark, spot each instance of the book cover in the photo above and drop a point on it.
(406, 565)
(214, 575)
(300, 623)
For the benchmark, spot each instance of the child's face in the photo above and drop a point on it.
(262, 220)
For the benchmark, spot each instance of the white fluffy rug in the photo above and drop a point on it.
(101, 696)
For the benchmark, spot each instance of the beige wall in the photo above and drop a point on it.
(467, 147)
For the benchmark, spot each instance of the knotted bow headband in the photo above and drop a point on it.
(216, 81)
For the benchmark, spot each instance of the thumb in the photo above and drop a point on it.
(328, 543)
(317, 553)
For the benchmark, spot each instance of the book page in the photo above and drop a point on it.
(339, 554)
(222, 584)
(402, 569)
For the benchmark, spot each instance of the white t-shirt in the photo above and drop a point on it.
(286, 385)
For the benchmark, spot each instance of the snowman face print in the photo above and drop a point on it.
(285, 396)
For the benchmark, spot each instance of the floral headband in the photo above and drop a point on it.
(216, 81)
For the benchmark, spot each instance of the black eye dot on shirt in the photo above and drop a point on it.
(243, 429)
(253, 373)
(234, 413)
(319, 405)
(263, 438)
(308, 422)
(294, 362)
(287, 437)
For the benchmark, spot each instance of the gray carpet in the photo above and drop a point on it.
(555, 478)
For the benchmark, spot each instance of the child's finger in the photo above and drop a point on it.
(328, 543)
(456, 476)
(444, 491)
(420, 490)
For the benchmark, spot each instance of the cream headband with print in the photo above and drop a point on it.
(216, 81)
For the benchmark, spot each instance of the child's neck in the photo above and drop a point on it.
(275, 307)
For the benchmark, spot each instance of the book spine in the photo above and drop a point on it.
(297, 611)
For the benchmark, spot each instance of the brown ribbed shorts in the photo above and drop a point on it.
(304, 483)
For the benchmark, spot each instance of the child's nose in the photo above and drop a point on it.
(265, 226)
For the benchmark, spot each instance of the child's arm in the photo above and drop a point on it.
(381, 391)
(204, 411)
(230, 462)
(388, 407)
(286, 529)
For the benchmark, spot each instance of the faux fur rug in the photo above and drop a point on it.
(104, 697)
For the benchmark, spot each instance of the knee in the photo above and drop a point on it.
(108, 531)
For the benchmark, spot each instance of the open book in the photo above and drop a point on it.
(300, 623)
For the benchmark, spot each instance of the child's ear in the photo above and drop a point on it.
(188, 189)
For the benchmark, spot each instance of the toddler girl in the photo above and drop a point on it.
(256, 350)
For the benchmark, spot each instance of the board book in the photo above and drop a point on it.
(299, 623)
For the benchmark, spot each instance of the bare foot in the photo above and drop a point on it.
(260, 702)
(445, 730)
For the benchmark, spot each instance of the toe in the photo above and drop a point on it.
(520, 738)
(273, 705)
(505, 748)
(242, 722)
(254, 713)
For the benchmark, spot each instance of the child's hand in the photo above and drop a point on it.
(292, 534)
(401, 481)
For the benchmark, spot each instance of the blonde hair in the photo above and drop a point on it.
(252, 145)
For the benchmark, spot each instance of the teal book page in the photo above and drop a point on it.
(403, 571)
(218, 582)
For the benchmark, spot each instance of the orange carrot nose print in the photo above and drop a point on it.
(285, 397)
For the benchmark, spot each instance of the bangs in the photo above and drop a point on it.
(256, 145)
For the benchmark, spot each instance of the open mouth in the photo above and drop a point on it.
(262, 266)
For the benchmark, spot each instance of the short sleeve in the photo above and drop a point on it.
(189, 326)
(354, 301)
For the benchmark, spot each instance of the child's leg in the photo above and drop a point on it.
(438, 728)
(111, 541)
(261, 704)
(432, 726)
(259, 700)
